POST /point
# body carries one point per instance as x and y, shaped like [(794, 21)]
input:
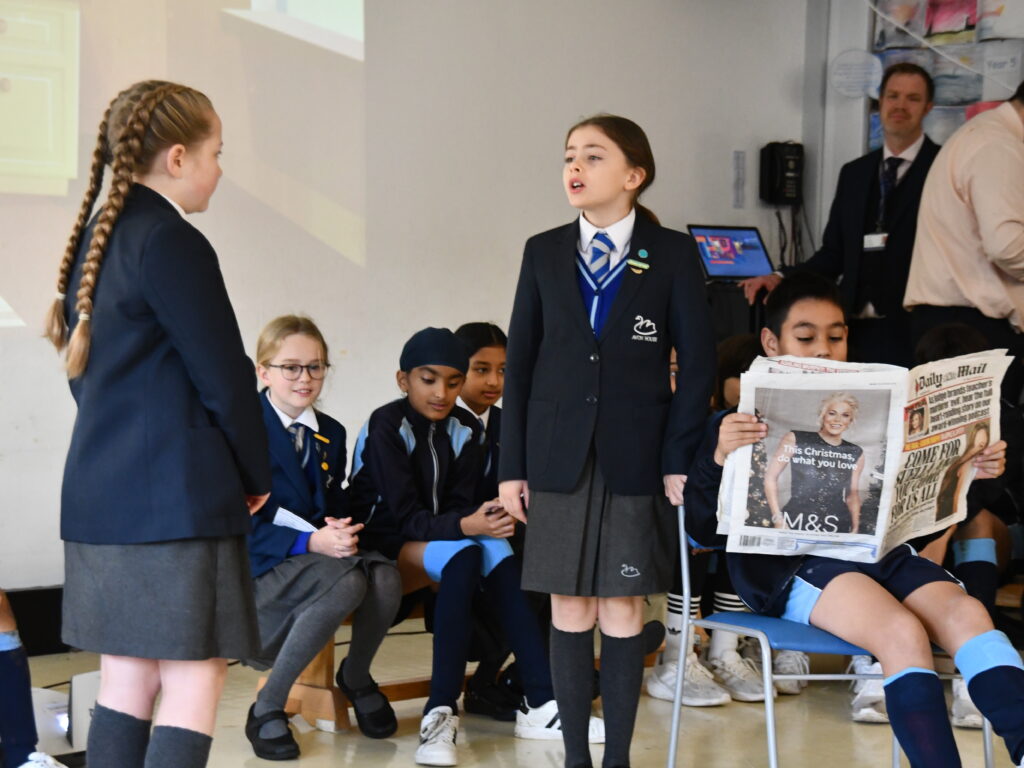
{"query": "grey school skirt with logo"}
[(184, 600), (593, 543), (291, 586)]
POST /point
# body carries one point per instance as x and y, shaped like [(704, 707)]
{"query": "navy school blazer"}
[(168, 439), (566, 389), (269, 544), (490, 443)]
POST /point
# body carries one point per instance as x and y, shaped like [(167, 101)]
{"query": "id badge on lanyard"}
[(875, 241)]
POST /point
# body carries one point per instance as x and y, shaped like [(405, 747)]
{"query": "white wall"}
[(445, 145)]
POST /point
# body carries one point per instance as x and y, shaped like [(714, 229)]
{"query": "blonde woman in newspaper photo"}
[(822, 498), (956, 476)]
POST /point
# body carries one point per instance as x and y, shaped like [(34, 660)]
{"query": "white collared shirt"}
[(484, 417), (178, 208), (969, 246), (307, 418), (908, 156), (621, 233)]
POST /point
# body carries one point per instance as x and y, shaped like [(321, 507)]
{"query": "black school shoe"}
[(491, 700), (378, 724), (277, 748)]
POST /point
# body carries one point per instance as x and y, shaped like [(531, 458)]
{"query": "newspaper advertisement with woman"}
[(858, 458)]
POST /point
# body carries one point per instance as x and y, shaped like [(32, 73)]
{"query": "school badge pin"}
[(639, 267)]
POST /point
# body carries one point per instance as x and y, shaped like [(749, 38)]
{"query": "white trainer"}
[(439, 729), (739, 677), (544, 722), (791, 663), (699, 686), (750, 648), (41, 760), (965, 714), (868, 703)]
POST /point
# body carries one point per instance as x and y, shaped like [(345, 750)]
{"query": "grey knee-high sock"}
[(172, 747), (116, 739), (622, 672), (371, 621), (311, 630), (572, 673)]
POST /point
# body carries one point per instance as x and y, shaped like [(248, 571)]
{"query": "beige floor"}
[(814, 730)]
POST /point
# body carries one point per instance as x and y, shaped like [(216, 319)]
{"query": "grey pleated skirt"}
[(593, 543), (185, 600), (287, 589)]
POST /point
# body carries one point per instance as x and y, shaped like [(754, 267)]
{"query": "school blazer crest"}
[(567, 389)]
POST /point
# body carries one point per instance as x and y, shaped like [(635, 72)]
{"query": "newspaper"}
[(859, 458)]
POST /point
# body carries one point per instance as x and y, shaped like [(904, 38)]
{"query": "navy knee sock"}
[(17, 721), (460, 579), (995, 679), (622, 673), (572, 671), (974, 564), (522, 631), (917, 712), (116, 739), (999, 694)]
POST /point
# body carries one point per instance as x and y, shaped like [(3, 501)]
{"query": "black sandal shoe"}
[(277, 748), (378, 724)]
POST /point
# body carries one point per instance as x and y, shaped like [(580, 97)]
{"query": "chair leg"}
[(677, 701), (769, 700), (896, 752), (986, 735)]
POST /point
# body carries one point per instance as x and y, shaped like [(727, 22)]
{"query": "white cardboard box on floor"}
[(84, 689)]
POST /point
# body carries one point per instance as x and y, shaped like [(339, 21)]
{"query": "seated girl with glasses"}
[(309, 572)]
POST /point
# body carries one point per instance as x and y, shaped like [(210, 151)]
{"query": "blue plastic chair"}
[(773, 634)]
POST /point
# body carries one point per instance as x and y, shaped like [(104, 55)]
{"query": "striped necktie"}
[(601, 248), (298, 432)]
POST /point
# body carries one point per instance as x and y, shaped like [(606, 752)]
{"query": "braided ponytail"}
[(56, 323), (137, 125)]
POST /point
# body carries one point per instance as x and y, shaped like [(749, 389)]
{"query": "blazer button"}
[(594, 357), (591, 399)]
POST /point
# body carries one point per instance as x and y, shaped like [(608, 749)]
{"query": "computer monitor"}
[(731, 253)]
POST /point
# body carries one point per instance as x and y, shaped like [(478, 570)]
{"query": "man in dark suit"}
[(869, 237)]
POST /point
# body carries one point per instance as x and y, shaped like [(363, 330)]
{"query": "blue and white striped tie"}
[(601, 248)]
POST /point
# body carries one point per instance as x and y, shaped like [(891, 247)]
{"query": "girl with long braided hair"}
[(168, 456)]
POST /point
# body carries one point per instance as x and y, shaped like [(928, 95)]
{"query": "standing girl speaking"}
[(593, 438), (168, 455)]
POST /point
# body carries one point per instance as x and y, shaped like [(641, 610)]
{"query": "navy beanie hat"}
[(434, 346)]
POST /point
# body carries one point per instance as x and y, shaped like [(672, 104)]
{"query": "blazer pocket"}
[(215, 482), (647, 430), (540, 431)]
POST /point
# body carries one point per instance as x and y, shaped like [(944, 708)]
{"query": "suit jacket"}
[(168, 439), (567, 389), (842, 247), (269, 544)]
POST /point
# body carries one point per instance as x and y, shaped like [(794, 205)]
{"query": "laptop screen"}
[(731, 253)]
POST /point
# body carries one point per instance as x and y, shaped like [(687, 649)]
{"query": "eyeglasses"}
[(292, 371)]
